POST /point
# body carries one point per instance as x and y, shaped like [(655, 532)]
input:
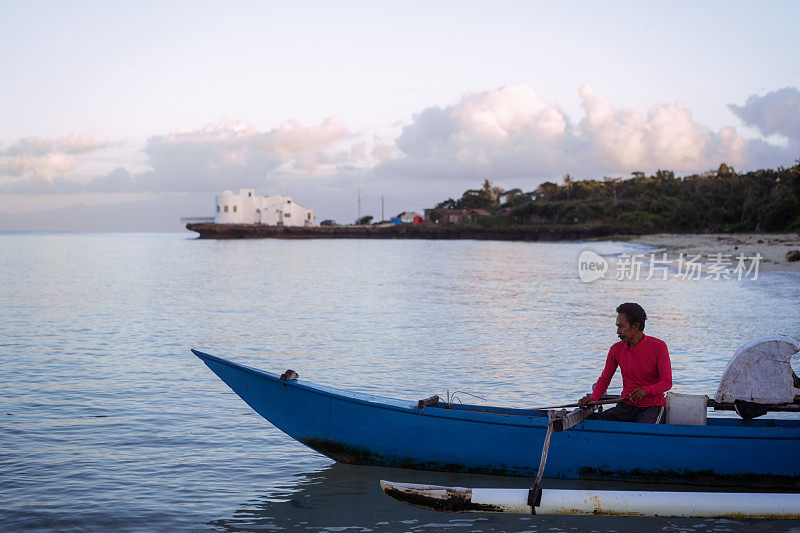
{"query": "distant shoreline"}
[(409, 231), (772, 247)]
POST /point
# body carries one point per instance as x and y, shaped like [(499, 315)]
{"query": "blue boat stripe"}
[(783, 430)]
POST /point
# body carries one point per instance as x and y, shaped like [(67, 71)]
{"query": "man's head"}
[(630, 321)]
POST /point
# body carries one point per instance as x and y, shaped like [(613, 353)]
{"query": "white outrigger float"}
[(597, 502), (758, 379)]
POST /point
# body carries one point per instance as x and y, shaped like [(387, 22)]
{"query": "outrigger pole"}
[(710, 403)]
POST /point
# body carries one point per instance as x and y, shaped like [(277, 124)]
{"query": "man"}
[(646, 371)]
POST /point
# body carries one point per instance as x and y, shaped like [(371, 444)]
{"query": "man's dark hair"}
[(634, 313)]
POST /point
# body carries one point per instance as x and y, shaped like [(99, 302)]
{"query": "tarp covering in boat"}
[(761, 372)]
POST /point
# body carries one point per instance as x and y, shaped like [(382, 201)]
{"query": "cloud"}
[(43, 159), (622, 140), (384, 152), (292, 138), (510, 135), (775, 113), (75, 143), (236, 152), (37, 167), (215, 156)]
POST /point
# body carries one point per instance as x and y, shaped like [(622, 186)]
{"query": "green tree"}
[(721, 200), (724, 170)]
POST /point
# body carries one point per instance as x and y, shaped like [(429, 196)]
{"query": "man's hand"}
[(636, 394), (583, 401)]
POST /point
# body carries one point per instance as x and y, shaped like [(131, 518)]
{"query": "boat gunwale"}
[(514, 416)]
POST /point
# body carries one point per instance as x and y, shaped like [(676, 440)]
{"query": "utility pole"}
[(359, 206), (382, 217)]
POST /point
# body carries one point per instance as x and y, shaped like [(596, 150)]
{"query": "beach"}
[(772, 247)]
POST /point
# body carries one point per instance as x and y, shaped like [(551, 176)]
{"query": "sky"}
[(126, 116)]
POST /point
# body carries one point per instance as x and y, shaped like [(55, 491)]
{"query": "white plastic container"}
[(686, 409)]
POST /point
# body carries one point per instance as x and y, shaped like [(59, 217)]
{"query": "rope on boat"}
[(452, 397)]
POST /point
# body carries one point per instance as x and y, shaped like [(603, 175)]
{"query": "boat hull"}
[(361, 429)]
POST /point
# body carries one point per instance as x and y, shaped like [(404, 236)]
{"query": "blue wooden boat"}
[(364, 429)]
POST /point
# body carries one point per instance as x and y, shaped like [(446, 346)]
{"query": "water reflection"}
[(347, 497), (102, 324)]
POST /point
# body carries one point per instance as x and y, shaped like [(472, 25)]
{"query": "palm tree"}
[(511, 195), (613, 183), (568, 181)]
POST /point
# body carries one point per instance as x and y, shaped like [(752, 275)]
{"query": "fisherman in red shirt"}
[(646, 371)]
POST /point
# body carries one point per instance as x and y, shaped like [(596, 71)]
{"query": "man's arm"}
[(601, 386), (664, 382)]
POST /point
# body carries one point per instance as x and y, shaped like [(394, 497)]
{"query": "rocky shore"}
[(407, 231)]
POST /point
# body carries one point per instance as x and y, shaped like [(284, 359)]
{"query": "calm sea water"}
[(108, 422)]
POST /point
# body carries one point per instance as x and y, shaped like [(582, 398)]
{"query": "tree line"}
[(718, 201)]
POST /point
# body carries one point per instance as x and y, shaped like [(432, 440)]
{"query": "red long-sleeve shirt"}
[(645, 365)]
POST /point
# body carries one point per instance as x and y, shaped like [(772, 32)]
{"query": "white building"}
[(407, 217), (250, 208)]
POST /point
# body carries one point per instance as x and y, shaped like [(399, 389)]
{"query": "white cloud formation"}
[(75, 143), (41, 159), (618, 135), (496, 117), (292, 138), (229, 153), (37, 167), (623, 140), (234, 151), (510, 135), (509, 132)]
